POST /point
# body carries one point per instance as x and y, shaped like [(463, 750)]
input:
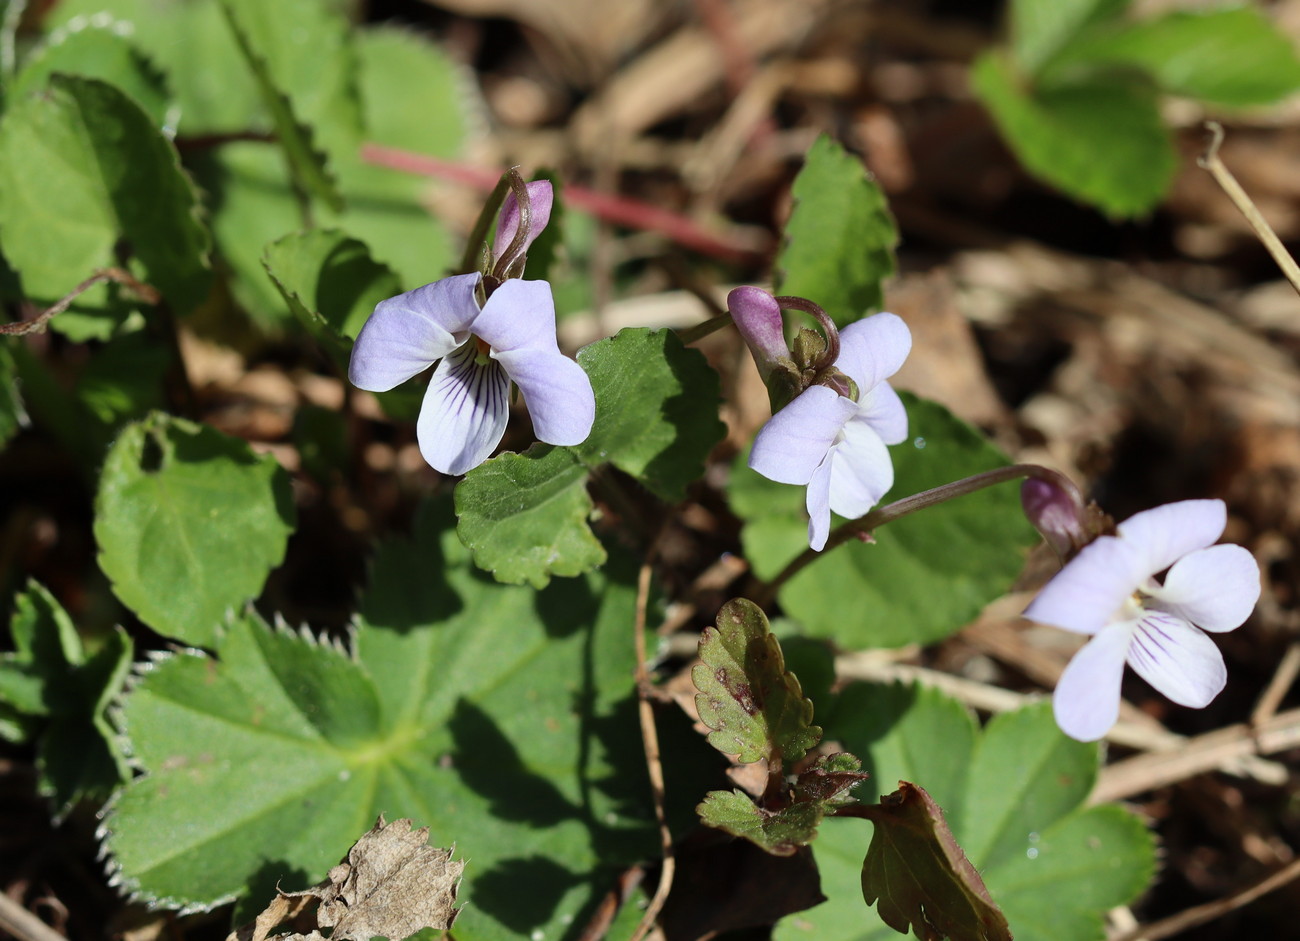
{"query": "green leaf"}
[(124, 379), (1040, 27), (918, 877), (839, 241), (1099, 140), (656, 409), (12, 413), (525, 516), (499, 716), (754, 706), (973, 546), (54, 675), (82, 168), (1232, 57), (99, 50), (189, 523), (1099, 857), (331, 283), (307, 163), (779, 832)]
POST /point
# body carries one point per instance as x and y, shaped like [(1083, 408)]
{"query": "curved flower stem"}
[(689, 335), (864, 525), (478, 235), (831, 332)]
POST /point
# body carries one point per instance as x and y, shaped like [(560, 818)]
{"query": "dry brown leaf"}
[(391, 885)]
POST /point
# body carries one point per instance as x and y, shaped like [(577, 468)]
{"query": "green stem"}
[(698, 332), (864, 525)]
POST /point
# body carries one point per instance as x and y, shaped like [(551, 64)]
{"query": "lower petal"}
[(1086, 702), (817, 500), (557, 391), (1177, 659), (464, 412), (861, 470)]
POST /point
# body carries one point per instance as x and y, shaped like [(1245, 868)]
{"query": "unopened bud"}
[(1058, 514)]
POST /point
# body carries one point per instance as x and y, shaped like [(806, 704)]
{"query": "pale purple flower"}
[(482, 349), (1109, 591), (834, 444)]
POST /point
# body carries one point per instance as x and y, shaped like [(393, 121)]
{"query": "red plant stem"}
[(609, 207)]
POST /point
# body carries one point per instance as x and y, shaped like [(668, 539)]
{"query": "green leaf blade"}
[(189, 523), (780, 832), (525, 516), (839, 241)]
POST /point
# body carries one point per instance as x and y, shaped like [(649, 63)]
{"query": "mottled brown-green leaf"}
[(779, 832), (754, 706), (919, 876)]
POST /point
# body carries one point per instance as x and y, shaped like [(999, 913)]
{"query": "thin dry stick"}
[(1175, 924), (22, 924), (38, 323), (650, 737), (1278, 686), (1210, 161)]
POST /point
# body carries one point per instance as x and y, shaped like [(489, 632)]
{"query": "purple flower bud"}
[(540, 198), (1057, 514), (758, 318)]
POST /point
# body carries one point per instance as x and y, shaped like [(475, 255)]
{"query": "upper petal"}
[(464, 412), (406, 333), (883, 410), (1177, 659), (520, 315), (557, 391), (1090, 590), (873, 349), (795, 440), (1086, 701), (757, 316), (540, 199), (861, 470), (1167, 533), (817, 499), (1214, 588)]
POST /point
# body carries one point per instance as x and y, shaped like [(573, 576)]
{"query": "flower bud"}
[(758, 318), (540, 198), (1057, 514)]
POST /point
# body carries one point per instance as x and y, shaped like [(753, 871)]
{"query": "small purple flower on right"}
[(1109, 592)]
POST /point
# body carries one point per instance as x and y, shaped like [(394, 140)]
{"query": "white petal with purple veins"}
[(464, 412), (1177, 659), (407, 333), (795, 440), (1091, 588), (1086, 702), (1214, 588)]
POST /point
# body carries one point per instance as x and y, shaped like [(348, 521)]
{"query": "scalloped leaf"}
[(754, 706), (974, 546), (840, 238), (499, 716), (189, 523), (525, 516), (1053, 865), (656, 409)]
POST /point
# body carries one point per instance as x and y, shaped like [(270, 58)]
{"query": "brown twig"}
[(650, 738), (1190, 918), (1283, 677), (1210, 161), (38, 323), (22, 924), (608, 207)]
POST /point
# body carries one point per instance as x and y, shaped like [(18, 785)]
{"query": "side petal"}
[(1214, 588), (520, 315), (406, 333), (873, 349), (540, 199), (757, 316), (1167, 533), (1177, 659), (1093, 587), (795, 440), (861, 470), (1086, 701), (464, 412), (557, 391), (883, 410), (817, 499)]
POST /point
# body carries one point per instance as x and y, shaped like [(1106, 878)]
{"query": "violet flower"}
[(483, 346), (1109, 591), (832, 436)]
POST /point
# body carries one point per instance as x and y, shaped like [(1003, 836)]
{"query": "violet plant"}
[(488, 681)]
